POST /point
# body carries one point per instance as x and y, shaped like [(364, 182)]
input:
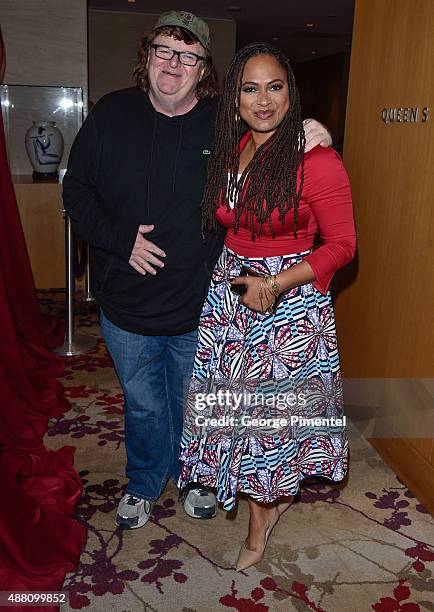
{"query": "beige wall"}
[(46, 42), (113, 40)]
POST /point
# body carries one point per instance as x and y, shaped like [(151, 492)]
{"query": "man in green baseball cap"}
[(138, 168), (187, 21)]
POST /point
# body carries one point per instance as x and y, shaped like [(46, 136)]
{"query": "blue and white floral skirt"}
[(289, 360)]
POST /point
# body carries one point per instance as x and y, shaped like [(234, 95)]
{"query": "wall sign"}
[(405, 114)]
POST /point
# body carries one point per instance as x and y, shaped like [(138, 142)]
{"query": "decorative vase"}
[(44, 146)]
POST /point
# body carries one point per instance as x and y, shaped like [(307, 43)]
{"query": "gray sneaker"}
[(133, 512), (200, 502)]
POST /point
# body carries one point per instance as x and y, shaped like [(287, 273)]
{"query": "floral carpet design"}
[(367, 545)]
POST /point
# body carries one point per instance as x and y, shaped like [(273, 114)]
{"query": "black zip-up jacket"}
[(131, 165)]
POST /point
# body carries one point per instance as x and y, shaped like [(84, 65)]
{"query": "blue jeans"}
[(154, 372)]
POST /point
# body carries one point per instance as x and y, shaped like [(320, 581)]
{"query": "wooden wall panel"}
[(40, 207), (410, 466), (385, 317), (385, 304)]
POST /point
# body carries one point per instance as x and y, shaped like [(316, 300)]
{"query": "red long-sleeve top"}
[(325, 206)]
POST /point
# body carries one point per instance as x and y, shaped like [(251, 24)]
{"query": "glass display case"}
[(24, 106)]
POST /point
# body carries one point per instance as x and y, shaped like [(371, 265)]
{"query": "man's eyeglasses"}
[(185, 57)]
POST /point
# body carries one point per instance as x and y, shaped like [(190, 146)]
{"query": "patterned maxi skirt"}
[(288, 363)]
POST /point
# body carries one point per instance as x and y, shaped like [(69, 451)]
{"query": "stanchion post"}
[(75, 343), (87, 294)]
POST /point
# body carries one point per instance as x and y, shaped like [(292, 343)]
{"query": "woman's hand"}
[(258, 296)]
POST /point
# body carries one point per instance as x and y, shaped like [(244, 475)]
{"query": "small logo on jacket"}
[(206, 152)]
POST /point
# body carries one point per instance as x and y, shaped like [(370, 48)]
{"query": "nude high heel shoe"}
[(247, 557)]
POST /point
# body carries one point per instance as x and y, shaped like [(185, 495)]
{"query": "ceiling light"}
[(275, 38), (309, 25), (314, 52), (233, 7)]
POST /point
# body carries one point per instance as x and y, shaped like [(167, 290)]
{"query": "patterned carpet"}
[(368, 545)]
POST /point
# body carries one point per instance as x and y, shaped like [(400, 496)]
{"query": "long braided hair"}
[(269, 181)]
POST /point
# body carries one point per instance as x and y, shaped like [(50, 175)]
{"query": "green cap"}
[(189, 22)]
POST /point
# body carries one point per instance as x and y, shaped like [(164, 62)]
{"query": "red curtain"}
[(39, 539)]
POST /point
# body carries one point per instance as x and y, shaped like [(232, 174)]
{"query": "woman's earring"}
[(237, 115)]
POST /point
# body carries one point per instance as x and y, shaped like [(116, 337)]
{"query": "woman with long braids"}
[(267, 328)]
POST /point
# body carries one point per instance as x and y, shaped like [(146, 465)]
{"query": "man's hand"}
[(144, 251), (316, 134)]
